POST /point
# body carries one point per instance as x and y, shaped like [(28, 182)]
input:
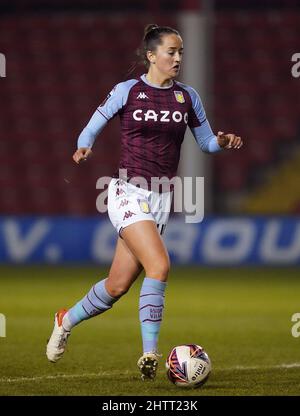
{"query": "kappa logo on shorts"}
[(120, 182), (123, 203), (128, 214), (144, 206), (120, 192)]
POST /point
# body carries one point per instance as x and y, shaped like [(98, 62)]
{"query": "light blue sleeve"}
[(205, 138), (88, 135), (199, 124), (112, 104)]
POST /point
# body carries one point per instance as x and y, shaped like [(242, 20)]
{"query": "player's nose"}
[(177, 57)]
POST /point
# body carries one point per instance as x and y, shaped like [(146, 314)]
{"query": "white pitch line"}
[(47, 377), (240, 367), (108, 373)]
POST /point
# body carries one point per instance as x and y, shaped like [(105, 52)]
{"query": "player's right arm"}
[(88, 136), (112, 104)]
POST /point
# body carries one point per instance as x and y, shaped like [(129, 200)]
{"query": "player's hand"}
[(82, 154), (229, 141)]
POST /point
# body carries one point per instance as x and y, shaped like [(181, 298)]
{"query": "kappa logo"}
[(123, 203), (120, 192), (128, 214), (120, 182), (142, 96)]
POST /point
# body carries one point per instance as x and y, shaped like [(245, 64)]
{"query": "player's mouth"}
[(176, 67)]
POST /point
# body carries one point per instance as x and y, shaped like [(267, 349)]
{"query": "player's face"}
[(168, 56)]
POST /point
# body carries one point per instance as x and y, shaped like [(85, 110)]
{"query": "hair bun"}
[(149, 28)]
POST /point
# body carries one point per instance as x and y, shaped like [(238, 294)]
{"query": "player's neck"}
[(158, 80)]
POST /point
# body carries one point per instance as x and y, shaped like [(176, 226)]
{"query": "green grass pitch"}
[(241, 316)]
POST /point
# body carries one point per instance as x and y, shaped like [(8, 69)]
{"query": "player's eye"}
[(173, 52)]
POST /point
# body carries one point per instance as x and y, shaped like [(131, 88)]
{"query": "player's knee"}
[(118, 290), (159, 269)]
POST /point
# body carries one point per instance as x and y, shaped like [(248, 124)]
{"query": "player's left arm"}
[(200, 127)]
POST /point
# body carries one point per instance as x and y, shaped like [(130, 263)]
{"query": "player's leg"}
[(124, 270), (145, 243), (147, 246)]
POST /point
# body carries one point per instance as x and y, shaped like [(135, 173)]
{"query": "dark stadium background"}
[(62, 59)]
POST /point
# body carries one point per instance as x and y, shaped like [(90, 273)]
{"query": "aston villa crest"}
[(144, 206), (179, 97)]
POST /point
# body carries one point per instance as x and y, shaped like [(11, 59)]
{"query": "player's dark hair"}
[(153, 35)]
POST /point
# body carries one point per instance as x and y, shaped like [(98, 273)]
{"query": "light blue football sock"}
[(150, 310), (95, 302)]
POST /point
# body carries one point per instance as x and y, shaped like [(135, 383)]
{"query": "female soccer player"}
[(154, 111)]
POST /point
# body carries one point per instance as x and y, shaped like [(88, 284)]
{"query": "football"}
[(188, 366)]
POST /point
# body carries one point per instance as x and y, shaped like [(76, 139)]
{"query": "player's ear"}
[(151, 57)]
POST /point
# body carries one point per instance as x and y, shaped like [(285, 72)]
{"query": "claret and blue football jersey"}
[(153, 123)]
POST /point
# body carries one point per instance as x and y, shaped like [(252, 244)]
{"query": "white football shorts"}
[(128, 204)]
